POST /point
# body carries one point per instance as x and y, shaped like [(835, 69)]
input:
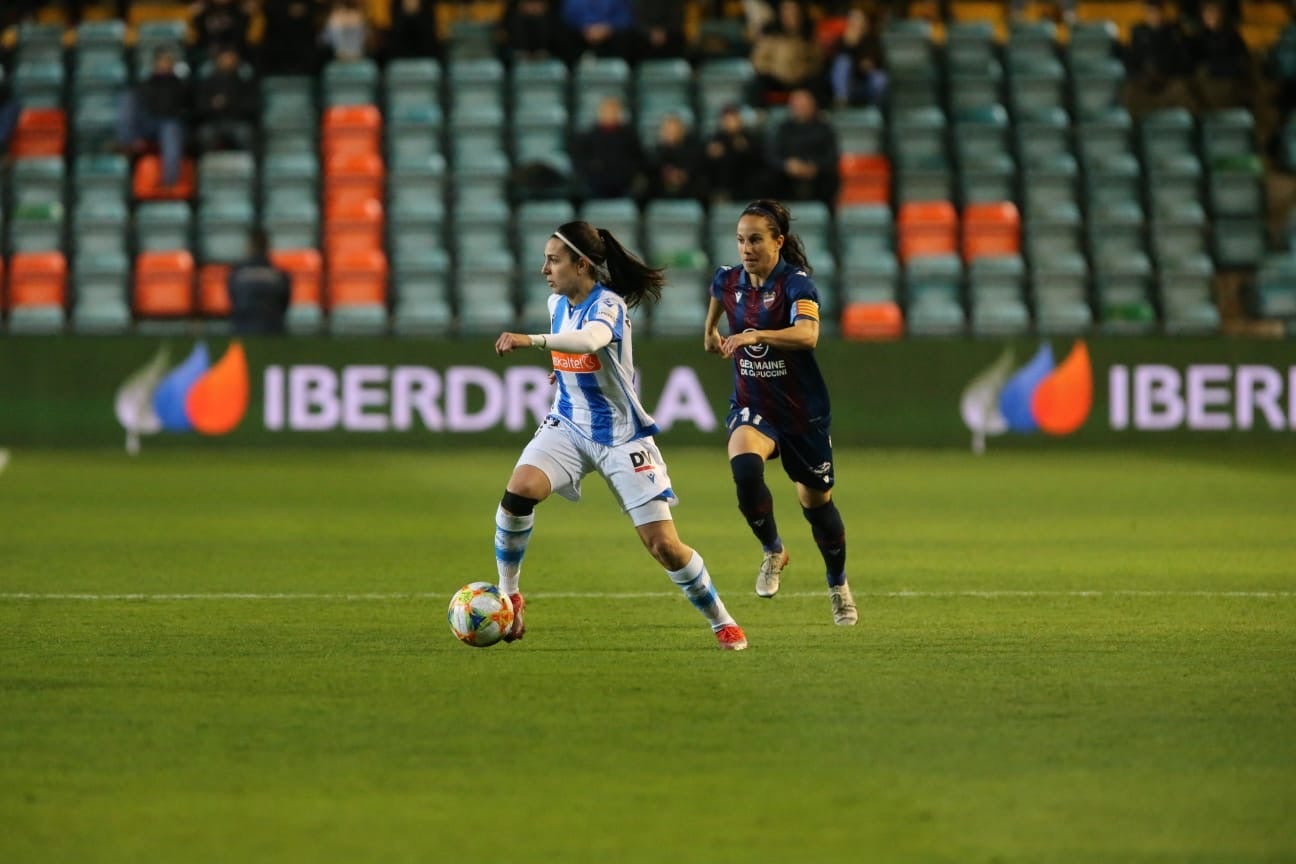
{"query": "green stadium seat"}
[(481, 176), (1235, 188), (871, 278), (977, 86), (412, 81), (538, 130), (292, 221), (39, 42), (1030, 43), (162, 226), (421, 285), (101, 289), (939, 276), (99, 78), (969, 45), (36, 227), (996, 294), (99, 227), (1106, 135), (100, 175), (1113, 180), (37, 180), (223, 225), (860, 130), (1179, 231), (484, 291), (541, 81), (1238, 243), (475, 81), (476, 129), (1056, 229), (1039, 86), (39, 83), (1046, 183), (1167, 132), (1042, 136), (228, 174), (1275, 286), (1187, 296), (985, 178), (663, 84), (349, 82), (480, 227), (1227, 133), (672, 230), (1096, 89), (595, 79), (721, 81), (621, 217), (100, 40), (1091, 43)]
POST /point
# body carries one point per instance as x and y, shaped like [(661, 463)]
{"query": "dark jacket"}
[(609, 160), (259, 295), (1156, 53), (164, 96), (226, 96)]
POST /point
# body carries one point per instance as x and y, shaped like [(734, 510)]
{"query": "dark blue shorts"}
[(807, 456)]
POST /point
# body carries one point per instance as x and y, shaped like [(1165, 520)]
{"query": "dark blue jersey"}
[(784, 387)]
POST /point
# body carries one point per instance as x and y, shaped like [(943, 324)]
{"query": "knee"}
[(748, 470), (669, 552)]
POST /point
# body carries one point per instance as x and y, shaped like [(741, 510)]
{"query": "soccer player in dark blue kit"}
[(780, 406)]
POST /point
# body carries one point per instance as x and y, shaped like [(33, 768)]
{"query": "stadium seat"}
[(621, 217), (40, 132), (354, 225), (101, 293), (1048, 183), (926, 228), (349, 82), (1275, 286), (985, 178), (412, 81), (99, 227), (721, 81), (663, 84), (39, 83), (996, 293), (1167, 131), (147, 182), (863, 230), (163, 226), (1036, 86), (354, 177), (1228, 133), (538, 82), (991, 229), (595, 79), (39, 41), (213, 290), (882, 321), (349, 130), (36, 227), (38, 180), (106, 175), (484, 292), (164, 284), (306, 270), (222, 229), (475, 81), (37, 291), (421, 293), (1042, 136), (860, 131), (357, 281), (103, 39), (865, 179), (1096, 87), (874, 278), (1235, 187), (1187, 297)]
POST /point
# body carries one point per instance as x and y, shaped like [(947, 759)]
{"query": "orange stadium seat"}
[(213, 291), (147, 184), (872, 321), (353, 225), (865, 179), (40, 132), (926, 228), (354, 176), (306, 270), (357, 278), (992, 228), (164, 283), (351, 129), (37, 279)]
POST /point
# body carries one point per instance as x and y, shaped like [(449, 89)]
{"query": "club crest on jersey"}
[(755, 351), (768, 298)]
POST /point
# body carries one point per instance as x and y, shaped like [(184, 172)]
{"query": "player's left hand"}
[(731, 344)]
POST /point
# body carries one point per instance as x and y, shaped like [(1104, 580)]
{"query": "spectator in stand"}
[(856, 72), (757, 16), (533, 30), (346, 31), (219, 24), (10, 109), (1221, 62), (227, 105), (155, 112), (676, 166), (661, 28), (604, 28), (1156, 63), (733, 158), (607, 158), (803, 152), (786, 57), (259, 292), (413, 31), (290, 42)]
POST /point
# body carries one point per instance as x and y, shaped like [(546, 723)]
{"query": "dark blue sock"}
[(830, 536), (754, 499)]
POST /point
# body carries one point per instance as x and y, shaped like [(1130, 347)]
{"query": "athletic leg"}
[(749, 448)]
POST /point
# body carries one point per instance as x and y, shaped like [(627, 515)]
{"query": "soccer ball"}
[(480, 614)]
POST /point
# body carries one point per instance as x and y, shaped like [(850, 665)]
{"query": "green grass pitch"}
[(230, 656)]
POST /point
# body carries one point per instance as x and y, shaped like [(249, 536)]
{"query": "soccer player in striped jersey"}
[(780, 406), (596, 423)]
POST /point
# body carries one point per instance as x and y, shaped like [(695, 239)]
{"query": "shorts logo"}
[(1040, 396), (643, 462), (755, 351), (194, 396), (576, 362)]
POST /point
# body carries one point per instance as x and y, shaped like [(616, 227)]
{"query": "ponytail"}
[(621, 270)]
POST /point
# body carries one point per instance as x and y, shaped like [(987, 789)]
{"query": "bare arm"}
[(801, 336), (711, 337)]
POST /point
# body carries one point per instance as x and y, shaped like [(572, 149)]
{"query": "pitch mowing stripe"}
[(641, 595)]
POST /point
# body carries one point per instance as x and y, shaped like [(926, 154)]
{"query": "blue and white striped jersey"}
[(596, 391)]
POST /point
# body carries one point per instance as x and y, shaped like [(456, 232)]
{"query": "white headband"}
[(600, 270)]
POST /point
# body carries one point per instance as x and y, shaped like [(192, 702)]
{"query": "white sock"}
[(694, 580), (512, 533)]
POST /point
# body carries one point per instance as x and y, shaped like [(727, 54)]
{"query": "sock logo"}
[(1040, 396), (195, 396)]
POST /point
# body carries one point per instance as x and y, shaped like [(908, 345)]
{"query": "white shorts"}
[(634, 471)]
